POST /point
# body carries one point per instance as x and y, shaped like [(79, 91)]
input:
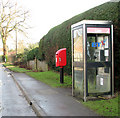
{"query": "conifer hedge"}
[(60, 36)]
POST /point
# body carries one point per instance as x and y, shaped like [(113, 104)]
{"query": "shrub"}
[(33, 53)]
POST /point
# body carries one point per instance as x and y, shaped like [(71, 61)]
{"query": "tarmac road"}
[(12, 101)]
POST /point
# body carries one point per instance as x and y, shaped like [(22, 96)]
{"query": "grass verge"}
[(8, 65), (19, 70), (51, 78), (104, 107), (15, 68)]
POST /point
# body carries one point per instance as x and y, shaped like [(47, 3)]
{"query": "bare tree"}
[(12, 17)]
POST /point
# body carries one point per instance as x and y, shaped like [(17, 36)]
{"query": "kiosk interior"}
[(92, 58)]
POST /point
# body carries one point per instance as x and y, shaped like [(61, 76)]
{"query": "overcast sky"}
[(45, 14)]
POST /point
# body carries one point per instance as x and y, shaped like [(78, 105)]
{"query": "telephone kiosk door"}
[(98, 62)]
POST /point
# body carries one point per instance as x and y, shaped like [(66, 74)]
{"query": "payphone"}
[(92, 58)]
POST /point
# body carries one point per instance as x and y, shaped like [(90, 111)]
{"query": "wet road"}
[(12, 102)]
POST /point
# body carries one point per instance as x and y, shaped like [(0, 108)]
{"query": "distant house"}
[(1, 51), (11, 53), (11, 56)]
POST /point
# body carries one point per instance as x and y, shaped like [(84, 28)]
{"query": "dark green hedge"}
[(60, 36), (32, 54)]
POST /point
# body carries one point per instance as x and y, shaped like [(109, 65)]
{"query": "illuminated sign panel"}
[(98, 30)]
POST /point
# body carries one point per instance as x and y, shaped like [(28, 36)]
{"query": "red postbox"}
[(61, 62), (61, 58)]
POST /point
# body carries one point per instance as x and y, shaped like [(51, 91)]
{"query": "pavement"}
[(12, 101), (48, 101)]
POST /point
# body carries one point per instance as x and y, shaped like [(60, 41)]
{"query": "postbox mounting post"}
[(61, 75)]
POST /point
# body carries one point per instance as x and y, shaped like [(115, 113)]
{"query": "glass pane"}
[(78, 77), (78, 57), (98, 79), (90, 49), (98, 48), (78, 45)]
